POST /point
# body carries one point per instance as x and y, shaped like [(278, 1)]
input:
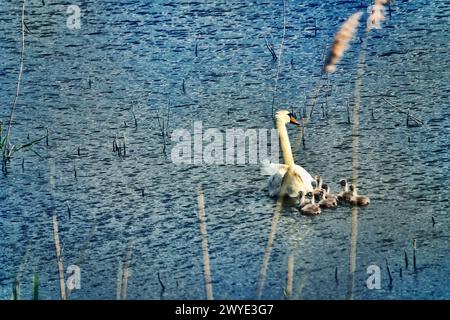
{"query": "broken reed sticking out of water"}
[(120, 148), (5, 144), (164, 127)]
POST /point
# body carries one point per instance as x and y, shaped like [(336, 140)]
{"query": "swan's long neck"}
[(285, 144)]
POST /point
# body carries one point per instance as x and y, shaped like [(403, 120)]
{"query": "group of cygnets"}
[(312, 203)]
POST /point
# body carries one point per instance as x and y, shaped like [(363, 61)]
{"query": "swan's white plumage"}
[(277, 172), (286, 179)]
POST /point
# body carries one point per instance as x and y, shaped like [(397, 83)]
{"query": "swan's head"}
[(286, 117), (326, 187), (343, 183)]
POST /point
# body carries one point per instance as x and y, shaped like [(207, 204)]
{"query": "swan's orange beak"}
[(293, 120)]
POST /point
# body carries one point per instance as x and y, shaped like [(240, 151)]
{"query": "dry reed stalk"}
[(204, 237), (337, 50), (341, 42), (290, 277), (62, 283), (277, 75), (355, 163), (352, 262), (125, 274), (83, 249), (6, 149), (356, 110), (268, 250)]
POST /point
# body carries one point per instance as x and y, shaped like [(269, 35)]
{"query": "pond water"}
[(208, 61)]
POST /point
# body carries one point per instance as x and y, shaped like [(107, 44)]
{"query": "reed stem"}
[(290, 277), (280, 52), (6, 144), (204, 237), (62, 283)]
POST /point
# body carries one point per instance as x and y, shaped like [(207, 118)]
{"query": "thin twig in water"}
[(163, 288), (272, 51), (68, 211), (406, 259), (336, 275), (389, 273), (134, 117), (348, 113), (167, 121), (402, 111)]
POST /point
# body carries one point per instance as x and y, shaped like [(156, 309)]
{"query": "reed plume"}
[(377, 11), (341, 42)]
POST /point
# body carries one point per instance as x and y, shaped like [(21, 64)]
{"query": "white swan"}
[(286, 179)]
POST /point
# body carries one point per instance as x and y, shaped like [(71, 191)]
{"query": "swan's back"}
[(277, 178)]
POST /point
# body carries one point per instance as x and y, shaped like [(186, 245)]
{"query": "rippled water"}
[(82, 86)]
